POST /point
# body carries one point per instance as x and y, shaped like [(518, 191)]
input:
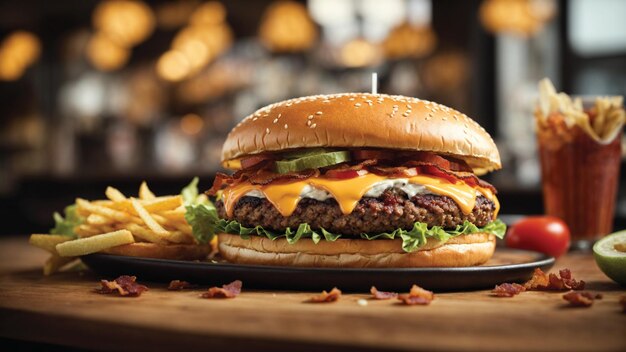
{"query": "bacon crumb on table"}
[(382, 295), (581, 298), (563, 282), (507, 290), (177, 285), (230, 290), (326, 297), (124, 285), (417, 296)]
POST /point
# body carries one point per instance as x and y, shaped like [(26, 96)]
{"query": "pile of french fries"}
[(116, 221), (609, 112)]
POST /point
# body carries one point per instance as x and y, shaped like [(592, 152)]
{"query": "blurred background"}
[(96, 93)]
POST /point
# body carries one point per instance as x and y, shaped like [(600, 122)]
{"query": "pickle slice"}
[(314, 161), (300, 153)]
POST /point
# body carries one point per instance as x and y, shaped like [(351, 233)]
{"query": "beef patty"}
[(392, 210)]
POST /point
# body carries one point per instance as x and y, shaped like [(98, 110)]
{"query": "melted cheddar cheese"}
[(285, 195)]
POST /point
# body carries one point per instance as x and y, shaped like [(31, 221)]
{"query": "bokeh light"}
[(173, 66), (106, 54), (191, 124), (18, 51), (287, 27), (126, 22)]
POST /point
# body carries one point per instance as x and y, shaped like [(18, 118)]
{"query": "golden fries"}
[(56, 262), (145, 192), (88, 245), (114, 194), (48, 242), (118, 220), (147, 218)]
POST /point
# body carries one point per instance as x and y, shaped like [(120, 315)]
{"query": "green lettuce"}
[(200, 213), (412, 239), (65, 225)]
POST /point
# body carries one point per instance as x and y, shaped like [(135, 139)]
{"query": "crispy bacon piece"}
[(124, 285), (264, 177), (622, 302), (507, 290), (417, 296), (230, 290), (221, 180), (177, 285), (542, 282), (326, 297), (581, 299), (382, 294)]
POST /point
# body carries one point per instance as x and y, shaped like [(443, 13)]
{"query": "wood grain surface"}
[(63, 309)]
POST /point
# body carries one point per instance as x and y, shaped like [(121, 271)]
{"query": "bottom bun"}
[(465, 250), (152, 250)]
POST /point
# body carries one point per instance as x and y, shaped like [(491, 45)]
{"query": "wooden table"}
[(63, 310)]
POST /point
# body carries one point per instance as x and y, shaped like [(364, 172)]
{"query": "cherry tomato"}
[(546, 234)]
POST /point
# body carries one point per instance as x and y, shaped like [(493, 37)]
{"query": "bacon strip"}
[(326, 297), (507, 290), (417, 296), (542, 282), (124, 285), (382, 295), (230, 290), (177, 285), (221, 180), (264, 177), (581, 299)]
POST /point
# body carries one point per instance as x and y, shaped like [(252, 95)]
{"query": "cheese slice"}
[(285, 195)]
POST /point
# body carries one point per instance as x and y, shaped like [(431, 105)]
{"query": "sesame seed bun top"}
[(357, 120)]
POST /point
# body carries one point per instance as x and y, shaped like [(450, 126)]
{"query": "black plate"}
[(506, 266)]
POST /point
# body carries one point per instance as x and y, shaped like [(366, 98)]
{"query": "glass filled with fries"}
[(579, 144)]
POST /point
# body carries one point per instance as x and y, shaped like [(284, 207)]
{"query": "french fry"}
[(174, 215), (145, 192), (86, 230), (108, 212), (147, 218), (146, 234), (114, 194), (95, 219), (48, 242), (179, 237), (163, 203), (84, 246), (56, 262)]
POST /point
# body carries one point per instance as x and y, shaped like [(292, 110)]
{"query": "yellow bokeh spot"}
[(106, 54), (287, 27), (191, 124), (18, 51), (173, 66), (359, 53), (126, 22)]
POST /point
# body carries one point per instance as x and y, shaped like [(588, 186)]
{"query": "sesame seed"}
[(318, 113), (351, 99), (310, 117), (255, 118), (279, 115), (408, 106), (406, 114), (289, 104), (267, 130), (308, 123), (357, 105), (314, 125), (275, 120), (286, 126), (444, 119), (395, 107)]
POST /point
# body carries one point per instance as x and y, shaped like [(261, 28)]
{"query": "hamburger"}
[(357, 180)]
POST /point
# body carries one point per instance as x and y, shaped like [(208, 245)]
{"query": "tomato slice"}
[(365, 154), (250, 161), (344, 174)]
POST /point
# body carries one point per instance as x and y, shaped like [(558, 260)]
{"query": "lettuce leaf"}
[(65, 225), (411, 239), (200, 212)]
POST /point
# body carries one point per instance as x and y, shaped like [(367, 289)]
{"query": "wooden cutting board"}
[(63, 309)]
